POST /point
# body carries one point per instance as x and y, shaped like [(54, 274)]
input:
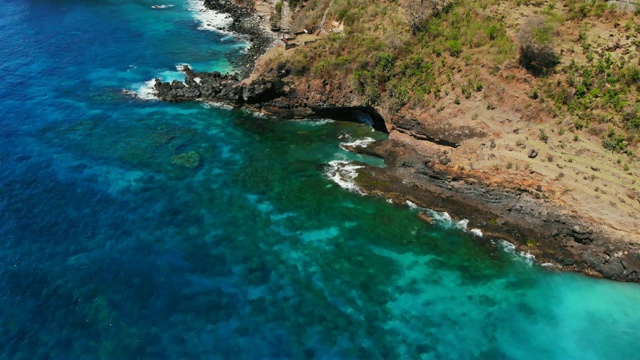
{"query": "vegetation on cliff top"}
[(397, 58)]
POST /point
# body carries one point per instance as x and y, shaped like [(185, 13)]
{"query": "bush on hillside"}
[(536, 46)]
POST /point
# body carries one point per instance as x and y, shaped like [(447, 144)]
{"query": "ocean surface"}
[(136, 229)]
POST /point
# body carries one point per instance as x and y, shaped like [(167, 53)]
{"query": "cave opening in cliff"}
[(362, 115)]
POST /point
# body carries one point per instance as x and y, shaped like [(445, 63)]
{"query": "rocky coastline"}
[(248, 24), (558, 240), (417, 159)]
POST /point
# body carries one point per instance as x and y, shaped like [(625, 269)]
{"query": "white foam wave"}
[(476, 232), (209, 19), (510, 248), (181, 67), (146, 91), (462, 224), (162, 6), (442, 217), (445, 220), (255, 113), (343, 173), (318, 122), (216, 105), (357, 143), (259, 115), (412, 205)]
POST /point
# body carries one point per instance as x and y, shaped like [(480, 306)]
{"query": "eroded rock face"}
[(270, 94), (440, 133)]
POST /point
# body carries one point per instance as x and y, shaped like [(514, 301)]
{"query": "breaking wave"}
[(343, 173)]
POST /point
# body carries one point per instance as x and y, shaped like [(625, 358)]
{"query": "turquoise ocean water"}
[(110, 248)]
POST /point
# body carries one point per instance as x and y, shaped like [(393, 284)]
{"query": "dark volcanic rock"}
[(261, 91), (205, 86), (536, 227)]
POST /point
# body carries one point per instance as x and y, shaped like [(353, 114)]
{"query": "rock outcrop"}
[(218, 88)]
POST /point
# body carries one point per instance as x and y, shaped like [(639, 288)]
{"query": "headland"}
[(540, 154)]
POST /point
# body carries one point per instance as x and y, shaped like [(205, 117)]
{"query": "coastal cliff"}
[(472, 130)]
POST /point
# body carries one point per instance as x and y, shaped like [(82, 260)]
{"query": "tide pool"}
[(135, 229)]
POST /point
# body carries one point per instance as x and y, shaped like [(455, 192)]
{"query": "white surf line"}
[(146, 91), (444, 219), (208, 19), (357, 143), (162, 6), (343, 173), (510, 248)]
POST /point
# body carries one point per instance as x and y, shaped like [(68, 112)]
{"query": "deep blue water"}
[(111, 248)]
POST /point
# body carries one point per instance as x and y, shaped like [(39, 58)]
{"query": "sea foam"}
[(162, 6), (146, 91), (209, 19), (445, 220), (510, 248), (216, 105), (343, 173), (357, 143)]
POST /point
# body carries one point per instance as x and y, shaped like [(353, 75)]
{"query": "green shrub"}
[(614, 142), (581, 91), (536, 51), (454, 47), (466, 91), (632, 119), (534, 94), (492, 32)]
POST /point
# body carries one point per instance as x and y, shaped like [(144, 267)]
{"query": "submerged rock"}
[(189, 160), (425, 217)]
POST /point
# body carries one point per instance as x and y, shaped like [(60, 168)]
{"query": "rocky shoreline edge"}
[(557, 238), (246, 23)]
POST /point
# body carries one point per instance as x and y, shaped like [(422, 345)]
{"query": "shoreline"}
[(246, 23), (420, 158), (561, 241)]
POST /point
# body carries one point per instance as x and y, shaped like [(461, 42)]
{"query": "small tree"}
[(536, 45), (417, 11)]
